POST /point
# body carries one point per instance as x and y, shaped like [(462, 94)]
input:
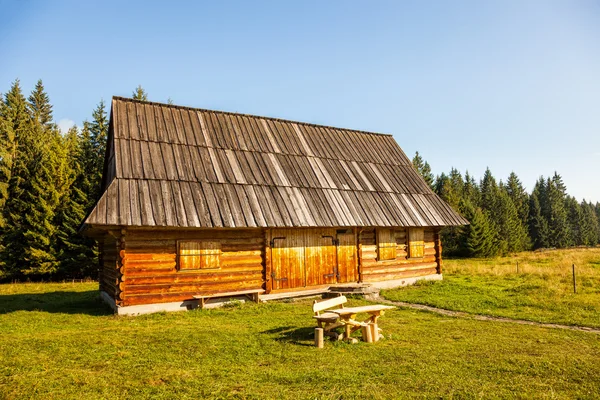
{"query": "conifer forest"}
[(50, 180)]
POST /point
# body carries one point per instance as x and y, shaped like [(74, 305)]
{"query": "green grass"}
[(57, 341), (542, 291)]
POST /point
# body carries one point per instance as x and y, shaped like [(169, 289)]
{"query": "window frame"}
[(218, 253)]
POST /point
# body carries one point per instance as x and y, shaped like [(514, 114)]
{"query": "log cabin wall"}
[(373, 270), (151, 273), (109, 275)]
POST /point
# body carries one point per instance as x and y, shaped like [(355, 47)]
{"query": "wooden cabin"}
[(206, 203)]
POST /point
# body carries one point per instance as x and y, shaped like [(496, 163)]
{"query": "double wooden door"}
[(312, 257)]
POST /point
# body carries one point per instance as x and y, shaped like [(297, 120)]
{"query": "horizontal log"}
[(207, 287), (399, 268), (399, 275), (141, 271), (366, 263), (196, 278), (148, 257), (173, 297)]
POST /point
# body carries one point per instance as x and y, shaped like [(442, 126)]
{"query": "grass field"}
[(57, 341), (541, 291)]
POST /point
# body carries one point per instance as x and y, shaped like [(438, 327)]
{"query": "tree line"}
[(504, 218), (49, 182)]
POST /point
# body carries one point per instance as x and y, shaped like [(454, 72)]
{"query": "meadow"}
[(58, 341), (541, 290)]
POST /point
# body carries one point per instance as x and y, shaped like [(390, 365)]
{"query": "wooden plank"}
[(245, 205), (238, 139), (147, 164), (158, 208), (150, 122), (200, 201), (112, 204), (132, 131), (259, 217), (168, 203), (193, 220), (234, 205), (188, 129), (204, 129), (235, 166), (172, 136), (212, 203), (145, 204), (178, 201), (134, 203), (124, 207), (141, 121), (169, 160), (223, 204)]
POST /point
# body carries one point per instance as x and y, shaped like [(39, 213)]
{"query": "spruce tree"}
[(423, 169), (556, 213), (98, 133), (519, 196), (39, 105), (139, 94), (77, 254), (16, 128), (477, 239), (538, 224), (34, 191)]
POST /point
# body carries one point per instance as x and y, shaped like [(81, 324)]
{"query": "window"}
[(416, 245), (386, 244), (194, 254)]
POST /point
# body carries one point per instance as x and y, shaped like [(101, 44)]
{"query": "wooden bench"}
[(253, 294), (329, 321)]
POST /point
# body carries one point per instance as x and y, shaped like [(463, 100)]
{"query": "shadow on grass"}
[(295, 335), (55, 302)]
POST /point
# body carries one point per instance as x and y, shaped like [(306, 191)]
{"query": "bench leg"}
[(319, 337), (367, 334)]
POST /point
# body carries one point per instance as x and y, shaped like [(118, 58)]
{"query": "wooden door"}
[(320, 256), (287, 259), (346, 256)]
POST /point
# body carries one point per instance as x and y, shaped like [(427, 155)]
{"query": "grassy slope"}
[(541, 291), (71, 347)]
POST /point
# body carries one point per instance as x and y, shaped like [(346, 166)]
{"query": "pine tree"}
[(34, 191), (16, 129), (519, 196), (139, 94), (538, 224), (39, 105), (423, 169), (589, 225), (98, 132), (556, 213), (511, 230), (471, 190), (478, 239), (77, 254)]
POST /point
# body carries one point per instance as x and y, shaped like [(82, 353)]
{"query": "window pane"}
[(386, 244), (199, 254), (416, 242)]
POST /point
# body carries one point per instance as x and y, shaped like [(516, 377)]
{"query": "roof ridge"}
[(128, 99)]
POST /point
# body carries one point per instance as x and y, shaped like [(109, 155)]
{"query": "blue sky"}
[(513, 85)]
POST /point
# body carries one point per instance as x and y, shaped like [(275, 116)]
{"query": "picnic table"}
[(372, 333)]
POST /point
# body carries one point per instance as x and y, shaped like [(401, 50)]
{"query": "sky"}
[(509, 85)]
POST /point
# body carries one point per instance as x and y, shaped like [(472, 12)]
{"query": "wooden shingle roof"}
[(175, 166)]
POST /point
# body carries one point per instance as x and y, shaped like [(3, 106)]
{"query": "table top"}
[(362, 309)]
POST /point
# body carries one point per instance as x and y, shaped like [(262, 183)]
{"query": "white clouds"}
[(65, 124)]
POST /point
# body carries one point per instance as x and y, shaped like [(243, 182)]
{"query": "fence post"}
[(574, 281), (517, 267)]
